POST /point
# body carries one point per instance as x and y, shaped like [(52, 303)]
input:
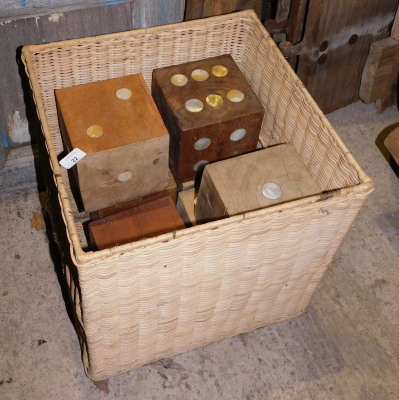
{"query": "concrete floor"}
[(346, 346)]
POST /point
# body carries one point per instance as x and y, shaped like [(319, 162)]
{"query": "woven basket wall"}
[(143, 301)]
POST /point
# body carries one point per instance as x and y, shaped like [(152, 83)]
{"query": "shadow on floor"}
[(381, 146)]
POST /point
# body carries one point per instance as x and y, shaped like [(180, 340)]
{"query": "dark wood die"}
[(210, 110)]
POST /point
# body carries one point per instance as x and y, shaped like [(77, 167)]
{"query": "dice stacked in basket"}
[(186, 155)]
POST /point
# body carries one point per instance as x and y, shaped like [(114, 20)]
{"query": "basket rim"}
[(80, 257), (249, 14)]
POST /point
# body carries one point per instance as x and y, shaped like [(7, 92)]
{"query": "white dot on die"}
[(194, 105), (179, 80), (199, 75), (236, 96), (124, 93), (271, 191), (238, 134), (125, 176), (202, 144)]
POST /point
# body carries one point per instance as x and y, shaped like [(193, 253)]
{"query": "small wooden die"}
[(210, 110), (253, 181), (118, 125), (169, 190), (144, 221)]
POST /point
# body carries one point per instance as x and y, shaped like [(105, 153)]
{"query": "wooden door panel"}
[(207, 8), (336, 42)]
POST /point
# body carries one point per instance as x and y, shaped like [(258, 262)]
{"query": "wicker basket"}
[(143, 301)]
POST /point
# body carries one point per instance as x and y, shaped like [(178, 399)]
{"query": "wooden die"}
[(210, 110), (252, 181), (118, 125)]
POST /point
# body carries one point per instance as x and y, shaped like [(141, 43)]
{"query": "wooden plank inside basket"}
[(147, 220), (185, 204)]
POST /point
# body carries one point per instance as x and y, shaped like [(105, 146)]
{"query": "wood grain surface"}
[(296, 20), (295, 26), (283, 10), (134, 142), (28, 8), (234, 186), (207, 8), (147, 220), (381, 71), (213, 123), (98, 173), (155, 12), (19, 119), (337, 41), (395, 26), (124, 122)]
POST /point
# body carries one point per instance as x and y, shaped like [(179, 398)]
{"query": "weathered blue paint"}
[(3, 139), (113, 2), (17, 182)]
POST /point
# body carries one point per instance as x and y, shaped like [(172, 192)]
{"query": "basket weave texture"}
[(143, 301)]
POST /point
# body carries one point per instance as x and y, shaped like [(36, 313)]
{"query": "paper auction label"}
[(72, 158)]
